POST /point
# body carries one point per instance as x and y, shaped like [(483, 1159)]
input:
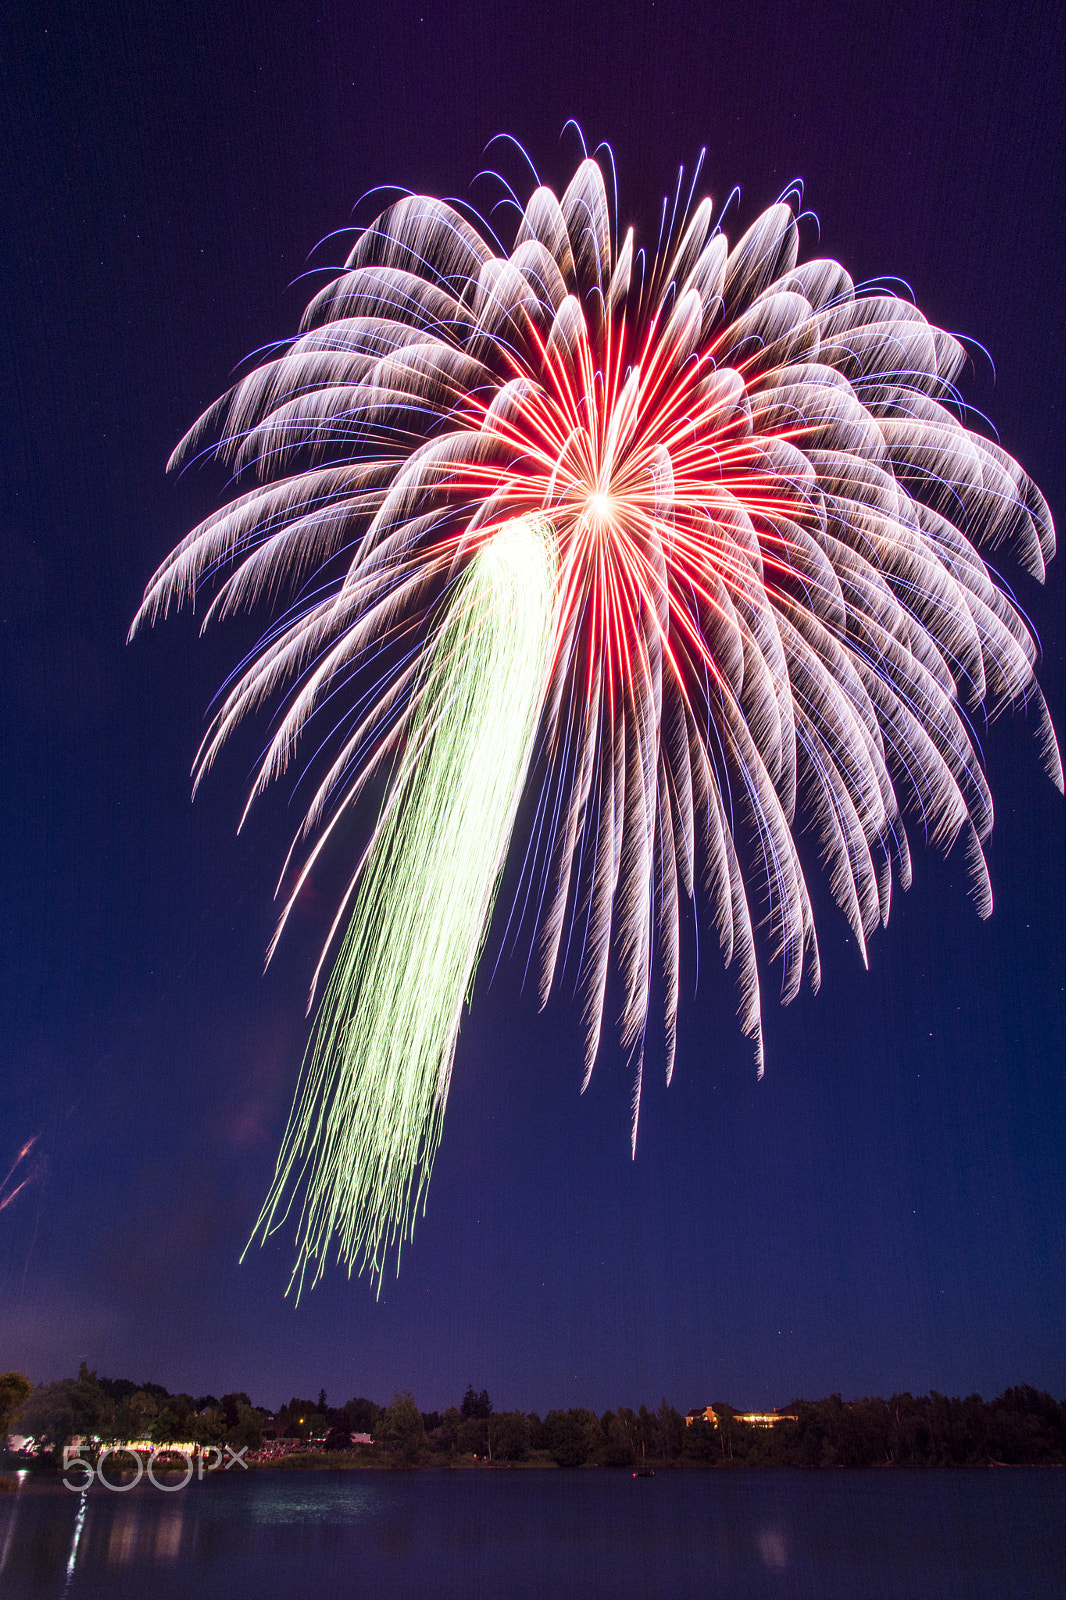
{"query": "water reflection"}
[(123, 1537), (79, 1525), (772, 1548), (317, 1497), (544, 1536), (9, 1536), (168, 1536)]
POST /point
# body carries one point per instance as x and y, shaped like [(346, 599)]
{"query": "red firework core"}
[(649, 473)]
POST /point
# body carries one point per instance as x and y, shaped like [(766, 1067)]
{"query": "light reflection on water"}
[(546, 1536), (79, 1528), (168, 1536), (123, 1538), (317, 1497), (772, 1547)]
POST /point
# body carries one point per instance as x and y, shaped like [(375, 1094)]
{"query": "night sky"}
[(885, 1210)]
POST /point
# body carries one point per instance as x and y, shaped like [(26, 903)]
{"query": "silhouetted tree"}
[(476, 1405), (362, 1415), (565, 1439), (472, 1438), (55, 1413), (701, 1442), (618, 1448), (401, 1427), (670, 1432), (448, 1434), (15, 1390), (509, 1436)]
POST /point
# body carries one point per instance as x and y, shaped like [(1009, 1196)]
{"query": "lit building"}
[(754, 1419)]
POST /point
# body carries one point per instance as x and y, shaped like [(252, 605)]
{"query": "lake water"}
[(538, 1535)]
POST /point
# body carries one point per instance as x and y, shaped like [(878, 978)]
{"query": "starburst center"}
[(600, 510)]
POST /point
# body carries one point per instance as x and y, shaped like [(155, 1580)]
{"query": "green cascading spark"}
[(367, 1118)]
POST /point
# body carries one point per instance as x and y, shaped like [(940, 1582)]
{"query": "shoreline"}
[(315, 1462)]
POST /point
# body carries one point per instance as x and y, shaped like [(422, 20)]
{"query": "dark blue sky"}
[(887, 1209)]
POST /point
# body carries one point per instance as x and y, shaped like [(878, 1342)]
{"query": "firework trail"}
[(369, 1113), (7, 1193), (684, 545)]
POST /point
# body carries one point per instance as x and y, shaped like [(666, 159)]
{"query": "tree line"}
[(1022, 1426), (117, 1409)]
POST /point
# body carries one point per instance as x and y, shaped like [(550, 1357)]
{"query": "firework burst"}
[(687, 544)]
